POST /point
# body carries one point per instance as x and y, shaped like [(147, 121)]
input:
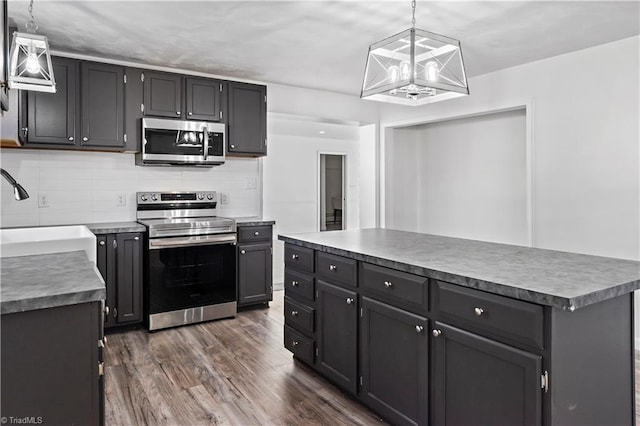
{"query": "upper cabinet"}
[(247, 121), (189, 98), (87, 110)]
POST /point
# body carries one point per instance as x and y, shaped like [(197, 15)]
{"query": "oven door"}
[(190, 272)]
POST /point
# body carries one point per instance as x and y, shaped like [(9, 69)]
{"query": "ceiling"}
[(320, 44)]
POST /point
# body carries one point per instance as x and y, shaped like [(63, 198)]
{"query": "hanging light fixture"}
[(30, 65), (414, 67)]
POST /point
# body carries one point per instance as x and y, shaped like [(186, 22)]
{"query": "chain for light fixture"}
[(31, 25), (413, 13)]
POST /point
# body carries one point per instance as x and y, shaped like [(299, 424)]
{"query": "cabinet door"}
[(247, 121), (129, 261), (51, 117), (480, 381), (106, 260), (337, 334), (163, 94), (394, 362), (204, 99), (254, 274), (102, 101)]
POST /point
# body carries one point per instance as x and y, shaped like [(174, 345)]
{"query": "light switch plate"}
[(43, 200)]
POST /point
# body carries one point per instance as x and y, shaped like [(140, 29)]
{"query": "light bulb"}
[(405, 70), (432, 71), (32, 64), (393, 73)]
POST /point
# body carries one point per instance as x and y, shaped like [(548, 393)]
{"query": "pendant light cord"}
[(31, 26), (413, 13)]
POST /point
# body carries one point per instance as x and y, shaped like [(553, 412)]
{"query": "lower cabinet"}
[(119, 259), (479, 381), (255, 265), (337, 334), (394, 362), (51, 366)]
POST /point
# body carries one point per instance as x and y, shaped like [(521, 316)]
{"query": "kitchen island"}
[(51, 356), (427, 329)]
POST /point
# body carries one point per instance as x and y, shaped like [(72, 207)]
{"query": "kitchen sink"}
[(47, 239)]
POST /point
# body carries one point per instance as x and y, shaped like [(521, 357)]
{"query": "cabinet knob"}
[(436, 333), (294, 283), (102, 243), (190, 113), (294, 256), (295, 343), (136, 238), (84, 139), (177, 112), (349, 300), (256, 233), (104, 340), (419, 328), (242, 252), (294, 313), (333, 267), (70, 138), (478, 311), (233, 146), (388, 284), (106, 311)]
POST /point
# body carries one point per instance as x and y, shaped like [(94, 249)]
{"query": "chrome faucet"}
[(18, 191)]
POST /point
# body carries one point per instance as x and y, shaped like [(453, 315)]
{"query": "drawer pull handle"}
[(419, 328), (294, 256), (388, 284), (256, 233), (333, 267), (136, 238), (102, 243), (242, 252), (295, 343), (294, 283), (349, 300), (478, 311), (436, 333), (294, 313)]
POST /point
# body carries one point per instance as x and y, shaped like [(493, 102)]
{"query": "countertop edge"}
[(52, 301)]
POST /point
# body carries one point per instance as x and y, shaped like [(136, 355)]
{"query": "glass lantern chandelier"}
[(414, 67), (30, 65)]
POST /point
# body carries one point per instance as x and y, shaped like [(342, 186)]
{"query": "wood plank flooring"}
[(228, 372)]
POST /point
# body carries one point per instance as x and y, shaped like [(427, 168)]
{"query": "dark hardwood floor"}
[(233, 372)]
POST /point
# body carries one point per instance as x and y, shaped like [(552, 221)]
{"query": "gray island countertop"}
[(553, 278), (47, 281)]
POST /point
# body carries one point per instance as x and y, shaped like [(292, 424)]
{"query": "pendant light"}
[(30, 65), (414, 67)]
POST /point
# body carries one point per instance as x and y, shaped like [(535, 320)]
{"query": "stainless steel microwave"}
[(186, 143)]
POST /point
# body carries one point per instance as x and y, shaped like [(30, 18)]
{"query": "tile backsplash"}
[(72, 187)]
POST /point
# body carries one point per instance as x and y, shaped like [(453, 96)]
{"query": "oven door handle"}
[(199, 240), (206, 142)]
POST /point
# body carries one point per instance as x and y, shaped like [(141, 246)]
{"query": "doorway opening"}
[(332, 192)]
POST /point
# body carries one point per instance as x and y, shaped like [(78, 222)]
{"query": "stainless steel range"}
[(190, 258)]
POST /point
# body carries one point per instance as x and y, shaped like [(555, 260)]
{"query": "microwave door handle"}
[(206, 142)]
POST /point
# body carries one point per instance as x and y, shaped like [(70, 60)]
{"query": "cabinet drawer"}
[(298, 315), (395, 286), (337, 269), (302, 347), (298, 257), (250, 234), (502, 316), (296, 283)]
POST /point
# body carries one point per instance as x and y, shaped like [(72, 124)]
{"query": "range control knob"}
[(143, 197), (200, 196), (154, 197), (209, 196)]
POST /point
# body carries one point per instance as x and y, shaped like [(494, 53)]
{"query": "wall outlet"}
[(43, 200), (224, 198), (121, 200), (252, 183)]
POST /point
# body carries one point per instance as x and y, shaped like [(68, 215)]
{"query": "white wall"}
[(462, 178), (368, 179), (83, 187)]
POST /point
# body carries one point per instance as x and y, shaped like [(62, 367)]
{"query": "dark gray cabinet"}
[(337, 335), (177, 96), (50, 362), (247, 121), (394, 362), (86, 112), (480, 381), (119, 259), (255, 265)]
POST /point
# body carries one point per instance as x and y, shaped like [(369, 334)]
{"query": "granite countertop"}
[(252, 221), (115, 227), (48, 280), (553, 278)]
